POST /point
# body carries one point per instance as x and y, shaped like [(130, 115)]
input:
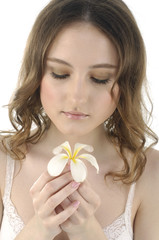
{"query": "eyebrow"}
[(101, 65)]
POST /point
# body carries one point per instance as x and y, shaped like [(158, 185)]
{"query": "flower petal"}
[(57, 150), (78, 170), (90, 158), (57, 164), (67, 148), (79, 146)]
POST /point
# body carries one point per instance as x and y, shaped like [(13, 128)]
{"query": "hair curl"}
[(126, 127)]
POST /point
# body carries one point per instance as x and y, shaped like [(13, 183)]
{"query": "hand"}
[(89, 202), (47, 193)]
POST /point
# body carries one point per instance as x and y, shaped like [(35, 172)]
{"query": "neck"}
[(92, 138), (103, 148), (97, 138)]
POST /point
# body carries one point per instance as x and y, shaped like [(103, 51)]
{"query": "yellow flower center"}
[(73, 159)]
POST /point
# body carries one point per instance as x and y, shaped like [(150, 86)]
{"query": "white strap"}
[(9, 176), (128, 208), (130, 197)]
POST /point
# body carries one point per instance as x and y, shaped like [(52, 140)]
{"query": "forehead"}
[(83, 41)]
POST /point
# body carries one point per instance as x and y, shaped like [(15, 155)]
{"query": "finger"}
[(89, 195), (58, 197), (67, 213), (50, 189), (40, 183), (42, 180), (54, 186), (89, 202), (84, 205), (84, 211), (66, 203), (76, 217), (55, 220)]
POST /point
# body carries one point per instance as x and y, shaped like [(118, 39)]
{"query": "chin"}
[(74, 132)]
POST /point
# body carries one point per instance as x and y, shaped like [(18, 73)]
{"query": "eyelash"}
[(98, 81), (56, 76)]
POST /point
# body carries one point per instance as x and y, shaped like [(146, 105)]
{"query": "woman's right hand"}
[(47, 194)]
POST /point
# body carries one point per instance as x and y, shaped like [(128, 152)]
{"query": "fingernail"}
[(75, 184), (76, 204)]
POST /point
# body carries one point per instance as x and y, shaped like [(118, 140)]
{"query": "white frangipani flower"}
[(78, 169)]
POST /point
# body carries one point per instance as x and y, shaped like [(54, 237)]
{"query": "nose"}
[(78, 91)]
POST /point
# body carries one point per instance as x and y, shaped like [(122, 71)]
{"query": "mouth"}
[(75, 115)]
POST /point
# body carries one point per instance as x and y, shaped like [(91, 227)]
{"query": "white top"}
[(12, 223)]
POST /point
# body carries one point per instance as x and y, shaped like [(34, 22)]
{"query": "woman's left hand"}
[(89, 203)]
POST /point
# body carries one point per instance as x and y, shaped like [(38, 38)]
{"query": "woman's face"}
[(79, 74)]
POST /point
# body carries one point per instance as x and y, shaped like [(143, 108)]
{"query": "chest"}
[(113, 196)]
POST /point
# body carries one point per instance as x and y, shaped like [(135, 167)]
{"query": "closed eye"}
[(64, 76), (99, 81), (59, 76)]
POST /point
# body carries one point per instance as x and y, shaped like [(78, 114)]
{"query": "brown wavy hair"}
[(127, 127)]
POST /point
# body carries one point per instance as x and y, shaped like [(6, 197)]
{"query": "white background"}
[(16, 20)]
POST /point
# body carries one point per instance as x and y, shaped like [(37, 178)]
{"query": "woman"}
[(80, 82)]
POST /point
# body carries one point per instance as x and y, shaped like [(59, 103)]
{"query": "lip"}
[(75, 115)]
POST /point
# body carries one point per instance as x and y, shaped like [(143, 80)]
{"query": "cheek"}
[(47, 93), (110, 101), (113, 96)]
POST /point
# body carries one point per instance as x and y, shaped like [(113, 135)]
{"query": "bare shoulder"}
[(152, 158), (149, 180), (151, 171), (146, 224)]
